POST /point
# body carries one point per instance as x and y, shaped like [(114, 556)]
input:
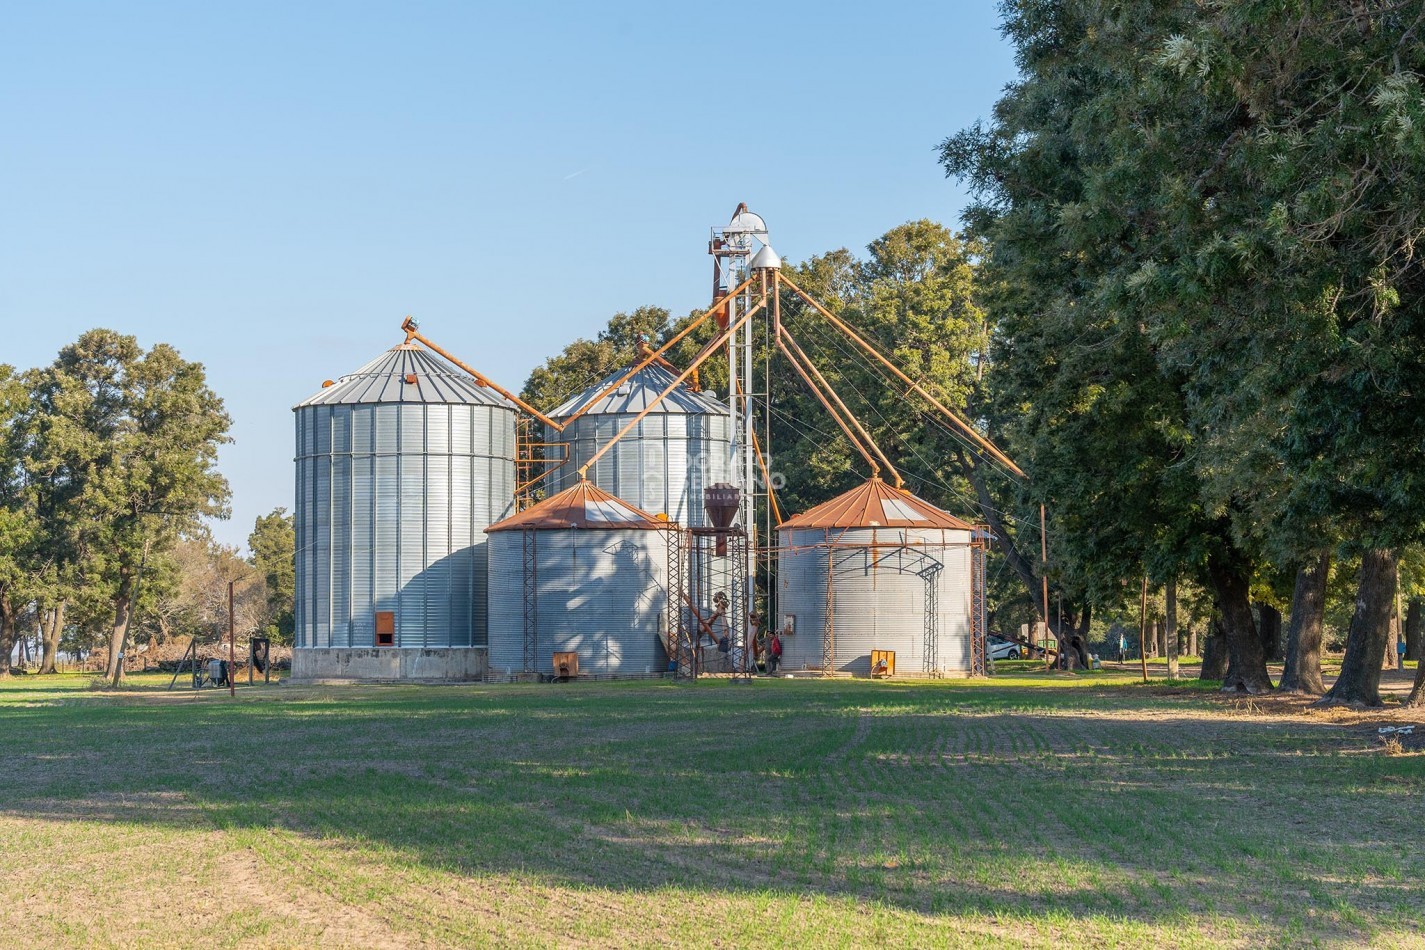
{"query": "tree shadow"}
[(934, 801)]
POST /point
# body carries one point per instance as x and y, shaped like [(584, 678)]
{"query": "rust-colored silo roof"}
[(875, 504), (581, 505)]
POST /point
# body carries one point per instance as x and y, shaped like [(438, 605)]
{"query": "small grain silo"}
[(878, 568), (681, 447), (586, 573), (400, 468)]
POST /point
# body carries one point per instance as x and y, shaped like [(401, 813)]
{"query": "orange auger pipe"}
[(967, 429), (658, 353), (850, 416), (713, 345), (830, 409), (413, 334)]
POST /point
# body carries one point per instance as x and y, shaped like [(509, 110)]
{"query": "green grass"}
[(1032, 808)]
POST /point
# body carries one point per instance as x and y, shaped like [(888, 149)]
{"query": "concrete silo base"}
[(389, 665)]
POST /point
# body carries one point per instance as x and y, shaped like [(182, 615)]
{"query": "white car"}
[(1001, 649)]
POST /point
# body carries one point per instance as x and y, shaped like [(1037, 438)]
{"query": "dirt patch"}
[(253, 883)]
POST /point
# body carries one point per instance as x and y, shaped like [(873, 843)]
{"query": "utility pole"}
[(1143, 629), (232, 648)]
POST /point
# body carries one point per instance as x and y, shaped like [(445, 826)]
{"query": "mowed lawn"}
[(1037, 810)]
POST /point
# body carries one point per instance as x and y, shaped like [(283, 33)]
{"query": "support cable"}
[(964, 426)]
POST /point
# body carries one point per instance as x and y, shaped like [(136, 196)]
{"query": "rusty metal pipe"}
[(830, 409), (707, 351), (656, 354), (967, 429), (412, 333), (850, 416)]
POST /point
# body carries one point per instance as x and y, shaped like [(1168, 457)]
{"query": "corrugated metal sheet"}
[(874, 503), (664, 463), (601, 594), (383, 380), (879, 581), (635, 395), (581, 505), (392, 502)]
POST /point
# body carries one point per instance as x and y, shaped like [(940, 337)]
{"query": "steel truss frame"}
[(708, 573)]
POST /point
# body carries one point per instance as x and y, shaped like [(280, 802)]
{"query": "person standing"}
[(774, 653)]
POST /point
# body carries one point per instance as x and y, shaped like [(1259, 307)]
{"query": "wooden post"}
[(1143, 629), (1170, 625), (232, 649)]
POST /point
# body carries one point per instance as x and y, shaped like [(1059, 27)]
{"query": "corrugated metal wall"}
[(662, 466), (879, 596), (391, 508), (602, 594)]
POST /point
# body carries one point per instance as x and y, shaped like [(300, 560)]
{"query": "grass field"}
[(1035, 809)]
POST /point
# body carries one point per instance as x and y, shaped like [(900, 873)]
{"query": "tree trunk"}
[(1192, 642), (1413, 623), (1214, 654), (1246, 662), (1391, 659), (119, 633), (1417, 691), (1271, 631), (50, 632), (7, 631), (1359, 681), (1302, 672), (1170, 626)]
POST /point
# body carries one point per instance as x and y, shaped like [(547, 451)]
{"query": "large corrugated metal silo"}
[(663, 465), (877, 568), (583, 572), (401, 466)]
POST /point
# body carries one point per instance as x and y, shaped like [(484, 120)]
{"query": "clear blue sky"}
[(272, 187)]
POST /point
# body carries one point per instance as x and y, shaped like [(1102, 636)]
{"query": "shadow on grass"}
[(1077, 803)]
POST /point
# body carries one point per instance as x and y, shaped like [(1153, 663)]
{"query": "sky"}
[(273, 187)]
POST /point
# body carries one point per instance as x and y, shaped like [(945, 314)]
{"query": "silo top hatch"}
[(875, 504), (634, 395), (582, 505), (407, 373)]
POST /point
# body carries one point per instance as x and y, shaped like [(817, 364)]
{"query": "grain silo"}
[(400, 468), (878, 568), (585, 573), (663, 465)]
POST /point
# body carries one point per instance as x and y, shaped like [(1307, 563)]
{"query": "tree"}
[(273, 544), (584, 362), (18, 529), (128, 442), (1080, 385)]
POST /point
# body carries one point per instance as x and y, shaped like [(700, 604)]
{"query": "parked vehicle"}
[(1002, 649)]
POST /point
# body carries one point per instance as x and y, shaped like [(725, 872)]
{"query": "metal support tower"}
[(978, 612), (828, 626), (679, 646), (709, 574), (733, 248), (930, 650)]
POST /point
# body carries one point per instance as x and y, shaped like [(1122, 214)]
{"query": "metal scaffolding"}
[(978, 612), (711, 572), (679, 646)]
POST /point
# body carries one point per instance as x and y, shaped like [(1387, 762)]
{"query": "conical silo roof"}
[(634, 395), (581, 505), (875, 504), (387, 379)]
